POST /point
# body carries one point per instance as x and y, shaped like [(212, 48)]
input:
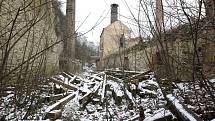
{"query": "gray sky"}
[(98, 10)]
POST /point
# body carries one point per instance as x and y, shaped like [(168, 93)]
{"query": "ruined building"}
[(171, 53), (114, 38)]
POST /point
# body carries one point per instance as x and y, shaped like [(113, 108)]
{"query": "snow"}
[(180, 108), (64, 79), (182, 86), (134, 118), (129, 95), (61, 77), (50, 108), (85, 87), (72, 79), (158, 114), (68, 75), (133, 86), (55, 111), (212, 80), (145, 91), (151, 83), (58, 86), (104, 89), (95, 76), (116, 87), (71, 110)]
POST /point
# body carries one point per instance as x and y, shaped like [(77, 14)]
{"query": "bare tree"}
[(27, 39)]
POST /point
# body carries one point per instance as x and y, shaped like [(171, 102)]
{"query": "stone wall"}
[(27, 30), (139, 58)]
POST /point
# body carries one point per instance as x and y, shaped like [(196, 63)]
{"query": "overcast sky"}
[(98, 10), (91, 12)]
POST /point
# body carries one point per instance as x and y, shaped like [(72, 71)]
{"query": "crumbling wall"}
[(180, 55), (28, 35)]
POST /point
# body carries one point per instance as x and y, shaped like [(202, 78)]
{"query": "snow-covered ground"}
[(100, 96), (116, 100), (196, 96)]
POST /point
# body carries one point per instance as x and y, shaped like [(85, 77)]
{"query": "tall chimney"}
[(114, 12), (159, 16), (68, 53)]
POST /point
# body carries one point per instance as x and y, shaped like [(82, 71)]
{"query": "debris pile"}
[(106, 95)]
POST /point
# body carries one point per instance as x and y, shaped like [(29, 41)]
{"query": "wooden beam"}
[(71, 87), (54, 114), (70, 81), (69, 75), (109, 77), (58, 105), (180, 110), (86, 98), (137, 76)]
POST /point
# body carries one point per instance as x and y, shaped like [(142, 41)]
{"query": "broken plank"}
[(114, 78), (71, 87), (137, 76), (70, 76), (96, 77), (72, 79), (85, 99), (54, 114), (59, 103), (134, 118), (56, 96)]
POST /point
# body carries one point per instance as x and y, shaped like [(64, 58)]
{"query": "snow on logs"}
[(181, 110), (90, 87), (53, 112), (85, 99), (103, 89), (68, 75), (68, 86), (137, 76)]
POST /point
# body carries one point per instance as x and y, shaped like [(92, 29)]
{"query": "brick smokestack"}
[(210, 9), (68, 54), (159, 16), (114, 12)]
